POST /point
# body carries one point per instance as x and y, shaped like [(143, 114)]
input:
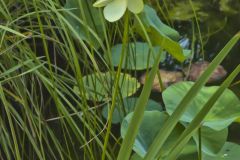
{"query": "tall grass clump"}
[(58, 73)]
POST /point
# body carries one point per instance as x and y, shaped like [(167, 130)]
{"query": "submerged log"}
[(167, 77), (192, 73), (197, 68)]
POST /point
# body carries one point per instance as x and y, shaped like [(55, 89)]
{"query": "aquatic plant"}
[(70, 80), (115, 9)]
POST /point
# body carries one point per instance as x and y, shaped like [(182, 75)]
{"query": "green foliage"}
[(138, 56), (236, 88), (135, 156), (99, 86), (138, 114), (150, 18), (182, 10), (150, 126), (12, 31), (229, 151), (225, 110), (159, 33), (157, 145), (101, 3), (212, 141), (229, 6), (55, 98), (85, 19), (175, 117), (212, 16), (127, 106)]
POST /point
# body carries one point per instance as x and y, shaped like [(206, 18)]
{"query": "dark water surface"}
[(218, 23)]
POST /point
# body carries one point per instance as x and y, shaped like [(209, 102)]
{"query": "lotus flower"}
[(115, 9)]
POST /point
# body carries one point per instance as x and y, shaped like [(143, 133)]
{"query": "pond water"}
[(218, 22)]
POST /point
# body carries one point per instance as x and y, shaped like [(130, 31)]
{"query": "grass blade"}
[(196, 122), (12, 31), (10, 120), (126, 147), (174, 118)]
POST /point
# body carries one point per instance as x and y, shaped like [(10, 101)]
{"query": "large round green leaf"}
[(138, 56), (100, 86), (150, 126), (225, 110), (115, 10), (189, 151), (230, 151), (128, 105), (91, 20), (212, 141)]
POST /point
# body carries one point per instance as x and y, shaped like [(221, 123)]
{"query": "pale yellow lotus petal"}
[(135, 6), (115, 10)]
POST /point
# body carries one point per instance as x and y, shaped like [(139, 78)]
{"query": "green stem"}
[(116, 85), (198, 28), (199, 144)]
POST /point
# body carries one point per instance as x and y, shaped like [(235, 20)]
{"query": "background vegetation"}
[(64, 68)]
